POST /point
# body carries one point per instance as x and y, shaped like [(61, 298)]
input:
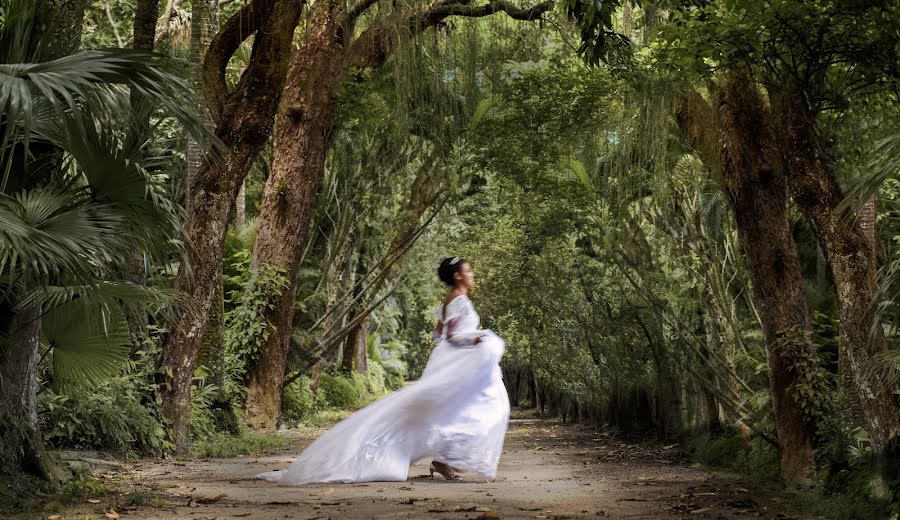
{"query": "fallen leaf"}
[(92, 501), (706, 494), (405, 488), (53, 517), (702, 510), (111, 514), (324, 492)]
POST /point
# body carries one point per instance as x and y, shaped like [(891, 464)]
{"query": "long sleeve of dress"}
[(455, 314)]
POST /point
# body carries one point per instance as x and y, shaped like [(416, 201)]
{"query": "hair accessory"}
[(454, 260)]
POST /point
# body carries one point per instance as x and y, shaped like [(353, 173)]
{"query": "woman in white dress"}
[(456, 413)]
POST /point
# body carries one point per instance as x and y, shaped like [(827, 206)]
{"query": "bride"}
[(456, 413)]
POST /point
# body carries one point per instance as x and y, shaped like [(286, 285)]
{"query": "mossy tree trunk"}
[(733, 137), (244, 118), (851, 256)]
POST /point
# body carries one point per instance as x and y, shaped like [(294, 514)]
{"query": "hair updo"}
[(449, 267)]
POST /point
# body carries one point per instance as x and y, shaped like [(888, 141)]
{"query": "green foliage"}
[(222, 445), (246, 328), (118, 414), (298, 402), (89, 343), (341, 391), (813, 389), (748, 456), (111, 416)]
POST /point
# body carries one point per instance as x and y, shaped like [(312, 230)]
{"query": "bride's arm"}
[(459, 339)]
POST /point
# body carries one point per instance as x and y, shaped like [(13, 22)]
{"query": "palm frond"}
[(89, 342), (104, 293), (56, 229), (884, 165), (120, 170)]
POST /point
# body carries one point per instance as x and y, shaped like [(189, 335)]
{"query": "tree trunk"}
[(305, 121), (356, 349), (850, 253), (244, 123), (134, 269), (60, 23), (204, 24), (735, 141), (145, 12), (58, 26)]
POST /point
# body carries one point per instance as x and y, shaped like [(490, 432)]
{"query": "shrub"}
[(340, 391), (299, 403), (113, 416)]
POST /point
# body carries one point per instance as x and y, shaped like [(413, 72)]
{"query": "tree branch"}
[(462, 8), (237, 29), (371, 47), (115, 26), (357, 10)]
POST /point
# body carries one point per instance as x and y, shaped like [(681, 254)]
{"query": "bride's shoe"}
[(446, 471)]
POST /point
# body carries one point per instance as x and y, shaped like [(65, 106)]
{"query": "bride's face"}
[(465, 277)]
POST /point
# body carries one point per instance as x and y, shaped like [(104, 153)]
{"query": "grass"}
[(839, 507), (223, 445)]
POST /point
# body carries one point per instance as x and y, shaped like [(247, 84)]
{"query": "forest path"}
[(548, 470)]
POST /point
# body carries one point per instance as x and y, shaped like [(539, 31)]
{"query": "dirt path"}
[(549, 470)]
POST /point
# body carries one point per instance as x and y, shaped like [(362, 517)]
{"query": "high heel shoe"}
[(446, 472)]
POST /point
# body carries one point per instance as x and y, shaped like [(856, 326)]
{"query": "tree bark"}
[(145, 13), (356, 349), (245, 118), (240, 206), (134, 269), (850, 254), (204, 24), (734, 139), (58, 26), (60, 23), (305, 121)]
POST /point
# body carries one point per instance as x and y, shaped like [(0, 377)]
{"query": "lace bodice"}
[(458, 324)]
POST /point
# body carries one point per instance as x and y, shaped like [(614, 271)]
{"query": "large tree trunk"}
[(735, 141), (850, 254), (305, 127), (58, 26), (245, 119), (22, 447)]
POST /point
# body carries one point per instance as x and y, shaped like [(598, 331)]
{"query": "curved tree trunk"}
[(850, 254), (735, 141), (244, 123)]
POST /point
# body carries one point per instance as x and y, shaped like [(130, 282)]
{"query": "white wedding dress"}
[(457, 413)]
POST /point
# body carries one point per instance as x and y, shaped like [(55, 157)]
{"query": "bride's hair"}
[(449, 267)]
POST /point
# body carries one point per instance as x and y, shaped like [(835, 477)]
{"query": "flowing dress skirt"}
[(457, 413)]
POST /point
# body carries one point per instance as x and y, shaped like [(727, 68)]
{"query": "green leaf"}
[(89, 342)]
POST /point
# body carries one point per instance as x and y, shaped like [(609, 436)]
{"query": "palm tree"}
[(79, 189)]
